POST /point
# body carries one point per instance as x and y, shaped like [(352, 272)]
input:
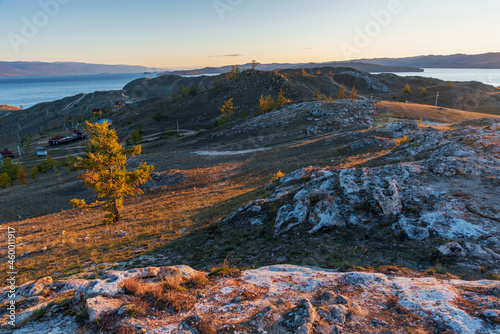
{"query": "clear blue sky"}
[(197, 33)]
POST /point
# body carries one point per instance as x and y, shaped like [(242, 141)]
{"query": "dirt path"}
[(223, 153), (74, 102)]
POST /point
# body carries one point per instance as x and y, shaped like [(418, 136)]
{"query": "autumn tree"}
[(407, 89), (423, 92), (5, 180), (342, 92), (10, 168), (235, 72), (266, 104), (318, 96), (227, 111), (354, 94), (136, 137), (22, 175), (105, 171), (282, 100)]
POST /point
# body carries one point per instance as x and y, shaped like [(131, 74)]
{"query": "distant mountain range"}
[(486, 60), (22, 68), (409, 64), (365, 67)]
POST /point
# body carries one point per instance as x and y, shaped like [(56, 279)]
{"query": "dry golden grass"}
[(150, 221), (179, 301), (428, 113), (138, 309), (197, 281), (172, 281), (132, 285)]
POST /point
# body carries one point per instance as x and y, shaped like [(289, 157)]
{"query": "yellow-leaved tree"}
[(105, 171), (227, 111)]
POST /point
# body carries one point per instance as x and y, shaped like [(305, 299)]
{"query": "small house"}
[(104, 120), (58, 140), (7, 154), (97, 112)]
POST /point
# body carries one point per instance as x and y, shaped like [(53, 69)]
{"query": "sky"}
[(181, 34)]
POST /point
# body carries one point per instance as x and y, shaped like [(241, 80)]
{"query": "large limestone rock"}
[(98, 306), (288, 299)]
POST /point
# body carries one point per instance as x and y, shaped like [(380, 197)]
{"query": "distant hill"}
[(21, 68), (486, 60), (365, 67)]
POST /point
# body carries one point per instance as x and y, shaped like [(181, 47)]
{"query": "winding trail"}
[(74, 102)]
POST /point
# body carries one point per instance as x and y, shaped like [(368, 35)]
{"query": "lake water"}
[(28, 91), (487, 76)]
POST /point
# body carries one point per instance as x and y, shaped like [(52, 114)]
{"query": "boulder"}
[(300, 319), (39, 286), (98, 306), (452, 249)]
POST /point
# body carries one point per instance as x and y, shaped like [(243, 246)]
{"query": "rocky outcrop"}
[(275, 299), (450, 190)]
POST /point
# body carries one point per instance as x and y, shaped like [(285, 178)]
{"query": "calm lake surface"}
[(490, 77), (28, 91)]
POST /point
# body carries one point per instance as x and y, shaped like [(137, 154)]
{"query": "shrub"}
[(34, 172), (423, 92), (278, 175), (402, 140), (157, 117)]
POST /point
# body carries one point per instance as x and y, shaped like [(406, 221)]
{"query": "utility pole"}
[(437, 97)]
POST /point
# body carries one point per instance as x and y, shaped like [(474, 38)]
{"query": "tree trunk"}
[(115, 212)]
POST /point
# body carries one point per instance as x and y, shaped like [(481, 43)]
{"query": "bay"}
[(487, 76), (30, 90)]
